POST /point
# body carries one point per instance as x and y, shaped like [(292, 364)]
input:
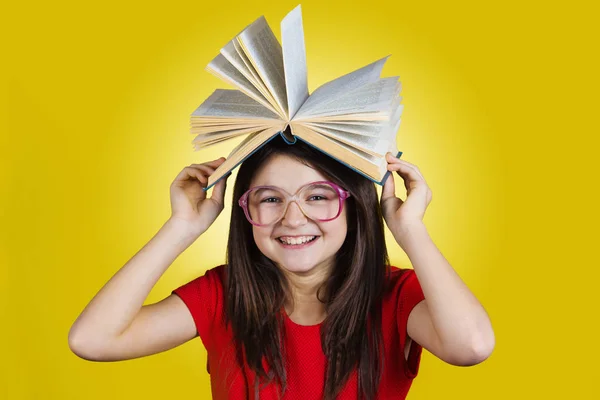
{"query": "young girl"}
[(307, 305)]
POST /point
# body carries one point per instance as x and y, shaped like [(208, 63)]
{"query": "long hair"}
[(256, 289)]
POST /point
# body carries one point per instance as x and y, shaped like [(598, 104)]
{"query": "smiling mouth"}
[(298, 243)]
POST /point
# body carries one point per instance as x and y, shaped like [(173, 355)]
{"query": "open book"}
[(353, 118)]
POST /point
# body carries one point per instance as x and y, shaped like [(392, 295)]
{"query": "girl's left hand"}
[(398, 214)]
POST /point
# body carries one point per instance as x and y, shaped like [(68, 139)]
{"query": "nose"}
[(293, 215)]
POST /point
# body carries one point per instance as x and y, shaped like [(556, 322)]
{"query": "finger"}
[(389, 201), (213, 163), (202, 165), (405, 179), (210, 167), (389, 187), (390, 158), (191, 173), (203, 168), (405, 169), (200, 176), (410, 176), (218, 193)]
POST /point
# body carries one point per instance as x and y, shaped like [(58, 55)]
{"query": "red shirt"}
[(306, 362)]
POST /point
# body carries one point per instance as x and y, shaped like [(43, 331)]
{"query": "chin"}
[(297, 266), (300, 263)]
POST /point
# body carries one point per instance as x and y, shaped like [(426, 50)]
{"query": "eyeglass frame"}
[(342, 196)]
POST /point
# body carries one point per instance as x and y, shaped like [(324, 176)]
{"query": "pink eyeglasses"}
[(320, 201)]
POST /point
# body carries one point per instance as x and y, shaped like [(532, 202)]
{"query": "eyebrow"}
[(320, 185), (258, 191)]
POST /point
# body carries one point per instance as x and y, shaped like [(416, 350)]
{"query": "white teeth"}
[(298, 240)]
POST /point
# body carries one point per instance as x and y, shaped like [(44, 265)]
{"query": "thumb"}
[(389, 188), (218, 193), (389, 201)]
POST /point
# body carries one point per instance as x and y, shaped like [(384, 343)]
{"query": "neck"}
[(304, 307)]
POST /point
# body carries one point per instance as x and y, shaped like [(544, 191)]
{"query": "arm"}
[(450, 322), (115, 325)]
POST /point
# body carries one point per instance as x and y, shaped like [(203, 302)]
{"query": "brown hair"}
[(256, 289)]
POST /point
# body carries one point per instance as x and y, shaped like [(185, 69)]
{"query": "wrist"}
[(183, 229), (408, 231)]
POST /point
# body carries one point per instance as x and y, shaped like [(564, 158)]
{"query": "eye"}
[(266, 200), (317, 195)]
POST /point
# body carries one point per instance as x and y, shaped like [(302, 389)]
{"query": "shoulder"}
[(397, 277), (402, 288), (203, 297), (212, 278), (217, 273), (203, 293)]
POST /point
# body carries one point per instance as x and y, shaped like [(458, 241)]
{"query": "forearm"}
[(458, 317), (115, 306)]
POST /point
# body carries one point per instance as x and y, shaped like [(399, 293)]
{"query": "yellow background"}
[(500, 116)]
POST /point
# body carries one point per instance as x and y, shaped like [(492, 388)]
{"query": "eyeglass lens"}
[(267, 205)]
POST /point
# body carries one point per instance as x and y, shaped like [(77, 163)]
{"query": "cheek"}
[(261, 235), (337, 229), (262, 239)]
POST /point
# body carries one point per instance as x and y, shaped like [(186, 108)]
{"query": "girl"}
[(307, 305)]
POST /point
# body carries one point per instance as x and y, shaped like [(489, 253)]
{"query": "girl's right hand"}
[(188, 199)]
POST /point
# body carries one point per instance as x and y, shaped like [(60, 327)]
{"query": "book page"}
[(350, 118), (246, 147), (373, 130), (374, 145), (204, 145), (264, 52), (209, 137), (372, 97), (232, 104), (232, 55), (345, 122), (256, 78), (294, 60), (372, 166), (260, 85), (208, 144), (211, 122), (211, 129), (339, 86), (223, 69)]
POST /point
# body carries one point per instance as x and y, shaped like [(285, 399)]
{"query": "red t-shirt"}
[(306, 362)]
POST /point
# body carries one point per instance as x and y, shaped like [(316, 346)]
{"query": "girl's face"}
[(290, 174)]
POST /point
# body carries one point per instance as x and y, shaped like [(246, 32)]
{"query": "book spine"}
[(381, 183), (292, 138)]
